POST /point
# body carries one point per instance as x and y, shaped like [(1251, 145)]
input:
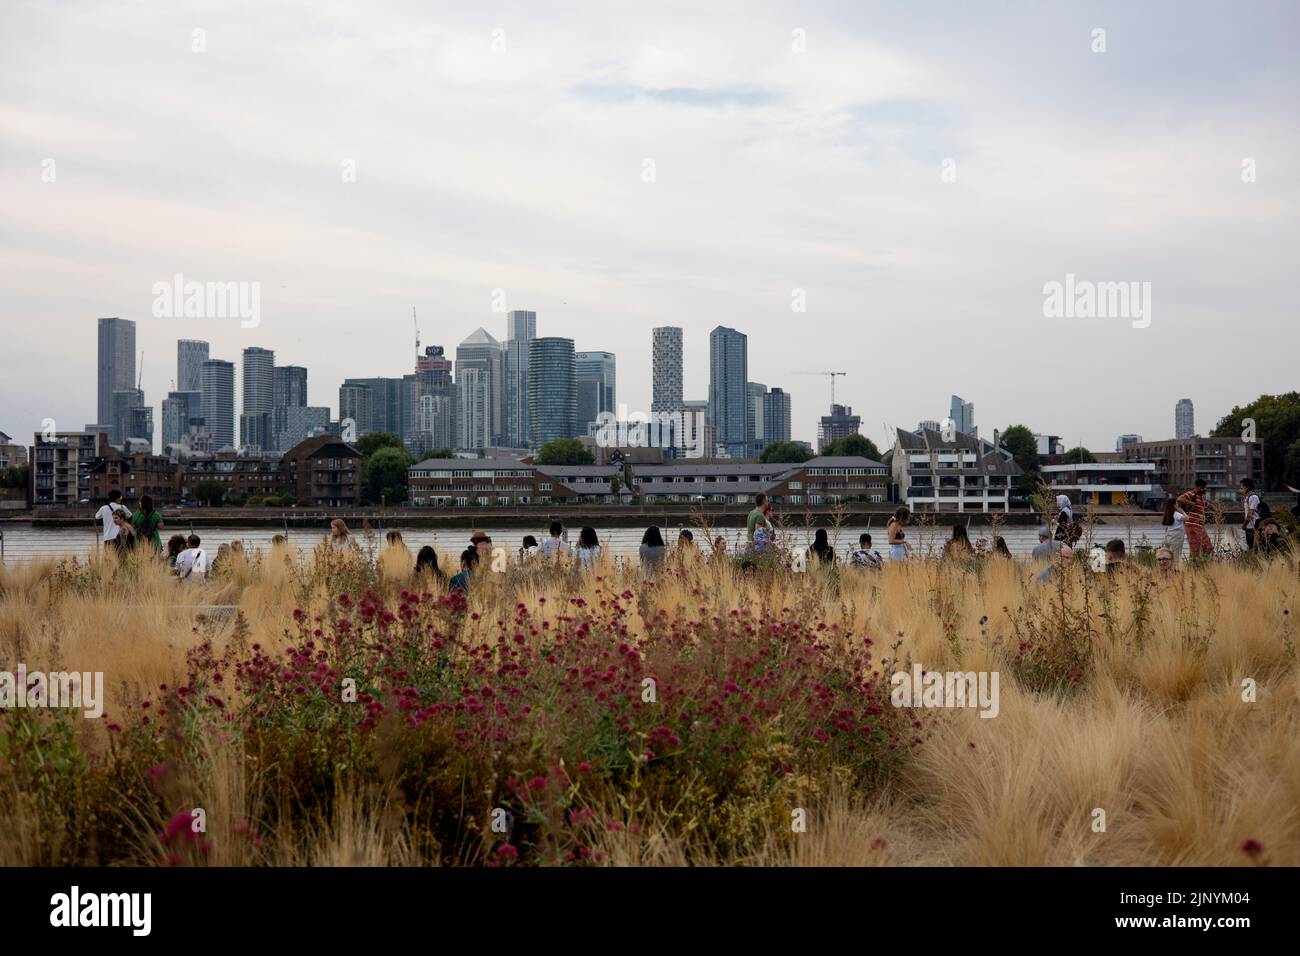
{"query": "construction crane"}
[(832, 378)]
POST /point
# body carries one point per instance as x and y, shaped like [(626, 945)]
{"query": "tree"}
[(208, 492), (854, 446), (1291, 465), (371, 443), (785, 451), (1277, 425), (1022, 444), (437, 453), (564, 451), (384, 474), (1078, 456)]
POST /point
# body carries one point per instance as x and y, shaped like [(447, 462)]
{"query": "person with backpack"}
[(147, 522), (1254, 509), (193, 561), (105, 516)]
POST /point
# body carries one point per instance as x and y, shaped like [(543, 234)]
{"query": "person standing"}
[(1175, 532), (757, 518), (899, 549), (147, 521), (111, 530), (1251, 510), (1192, 505), (821, 550)]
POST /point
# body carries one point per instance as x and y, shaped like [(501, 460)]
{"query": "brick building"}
[(325, 470), (1222, 462)]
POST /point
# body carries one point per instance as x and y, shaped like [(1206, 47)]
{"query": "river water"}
[(22, 542)]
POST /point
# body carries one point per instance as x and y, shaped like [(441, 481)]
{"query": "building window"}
[(544, 486)]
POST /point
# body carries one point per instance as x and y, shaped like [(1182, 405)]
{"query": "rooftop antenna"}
[(417, 330), (140, 377)]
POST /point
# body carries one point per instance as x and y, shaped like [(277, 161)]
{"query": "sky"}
[(884, 190)]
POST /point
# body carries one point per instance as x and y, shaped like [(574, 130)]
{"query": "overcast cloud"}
[(522, 169)]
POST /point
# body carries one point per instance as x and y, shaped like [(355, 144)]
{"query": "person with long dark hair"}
[(1000, 547), (147, 521), (959, 546), (426, 563), (468, 562), (1175, 534), (588, 550), (899, 549), (652, 548), (821, 550)]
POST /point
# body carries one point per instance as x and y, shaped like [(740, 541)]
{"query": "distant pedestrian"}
[(110, 529), (865, 556), (588, 550), (147, 522), (758, 517), (340, 538), (555, 545), (426, 566), (192, 563), (899, 549), (959, 546), (821, 550), (652, 549), (1253, 509), (468, 562), (1175, 531), (1046, 547), (175, 545), (1193, 504)]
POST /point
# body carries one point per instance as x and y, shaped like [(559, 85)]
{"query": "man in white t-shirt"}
[(555, 545), (1250, 508), (193, 561), (105, 516)]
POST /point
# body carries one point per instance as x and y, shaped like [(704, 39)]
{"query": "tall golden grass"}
[(1158, 736)]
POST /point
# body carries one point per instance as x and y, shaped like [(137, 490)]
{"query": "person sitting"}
[(426, 566), (959, 546), (652, 549), (821, 550), (865, 556), (468, 562)]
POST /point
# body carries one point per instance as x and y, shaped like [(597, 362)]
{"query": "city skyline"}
[(775, 177)]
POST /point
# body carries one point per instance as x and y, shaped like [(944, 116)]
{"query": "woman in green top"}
[(147, 522)]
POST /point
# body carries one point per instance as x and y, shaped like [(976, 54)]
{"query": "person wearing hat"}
[(482, 543), (1046, 547)]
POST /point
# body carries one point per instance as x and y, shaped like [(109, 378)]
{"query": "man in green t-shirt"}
[(756, 517)]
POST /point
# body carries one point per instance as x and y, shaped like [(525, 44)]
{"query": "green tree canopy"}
[(371, 443), (859, 446), (384, 475), (208, 491), (1277, 425), (564, 451), (785, 451), (1078, 456), (437, 453), (1022, 444)]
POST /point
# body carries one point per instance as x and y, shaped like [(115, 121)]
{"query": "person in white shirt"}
[(105, 516), (1250, 509), (588, 550), (555, 545), (1175, 534), (193, 561)]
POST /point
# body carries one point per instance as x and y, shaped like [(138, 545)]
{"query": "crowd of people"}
[(1184, 520)]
